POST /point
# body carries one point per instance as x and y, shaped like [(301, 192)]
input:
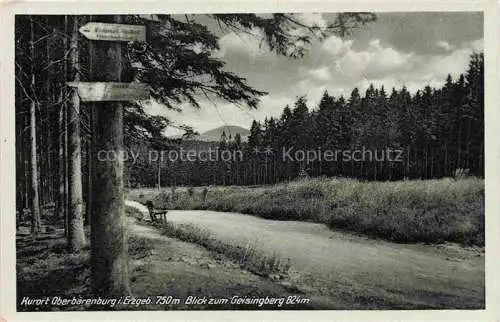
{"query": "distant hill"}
[(215, 134)]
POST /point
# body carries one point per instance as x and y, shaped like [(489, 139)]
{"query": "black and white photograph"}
[(250, 161)]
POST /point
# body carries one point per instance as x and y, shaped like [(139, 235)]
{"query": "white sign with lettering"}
[(110, 91), (113, 32)]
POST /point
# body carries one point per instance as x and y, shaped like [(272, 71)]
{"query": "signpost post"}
[(107, 90)]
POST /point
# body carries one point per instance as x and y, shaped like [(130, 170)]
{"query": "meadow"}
[(429, 211)]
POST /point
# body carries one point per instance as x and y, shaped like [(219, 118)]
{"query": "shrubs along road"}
[(431, 211)]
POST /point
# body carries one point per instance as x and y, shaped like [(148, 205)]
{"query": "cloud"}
[(428, 69), (311, 19), (241, 45), (336, 46), (387, 57), (272, 105), (476, 45), (336, 65), (453, 63), (372, 61), (321, 74), (444, 45), (437, 67), (375, 61), (342, 67), (313, 90)]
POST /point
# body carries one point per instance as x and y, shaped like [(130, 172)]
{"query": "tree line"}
[(436, 132)]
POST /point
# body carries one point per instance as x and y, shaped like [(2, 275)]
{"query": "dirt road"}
[(178, 270), (370, 273)]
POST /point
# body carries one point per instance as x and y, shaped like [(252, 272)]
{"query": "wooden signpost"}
[(110, 91), (113, 32), (106, 92), (152, 18)]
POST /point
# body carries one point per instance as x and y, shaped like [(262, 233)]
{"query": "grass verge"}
[(246, 256), (431, 211)]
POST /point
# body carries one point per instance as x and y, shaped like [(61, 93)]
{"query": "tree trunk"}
[(90, 111), (64, 177), (426, 176), (481, 160), (35, 201), (35, 211), (109, 263), (432, 162), (446, 159), (76, 235), (61, 198), (468, 140), (459, 144), (407, 173), (159, 175), (66, 171), (26, 153), (49, 175), (88, 203)]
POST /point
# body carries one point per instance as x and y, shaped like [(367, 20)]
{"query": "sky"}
[(400, 49)]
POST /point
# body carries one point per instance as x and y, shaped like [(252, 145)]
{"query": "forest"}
[(439, 132), (59, 181)]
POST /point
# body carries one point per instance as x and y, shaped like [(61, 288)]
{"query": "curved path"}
[(371, 273), (139, 206)]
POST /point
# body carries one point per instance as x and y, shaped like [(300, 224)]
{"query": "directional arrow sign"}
[(150, 18), (113, 32), (110, 91)]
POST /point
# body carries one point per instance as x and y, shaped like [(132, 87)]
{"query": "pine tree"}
[(327, 129), (76, 235), (474, 113), (35, 199), (254, 149)]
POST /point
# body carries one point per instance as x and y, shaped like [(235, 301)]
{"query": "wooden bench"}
[(156, 214)]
